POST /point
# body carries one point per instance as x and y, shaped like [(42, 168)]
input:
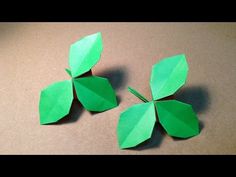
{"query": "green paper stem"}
[(68, 72), (137, 94)]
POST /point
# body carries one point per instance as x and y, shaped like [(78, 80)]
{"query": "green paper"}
[(55, 101), (95, 93), (68, 72), (168, 76), (137, 94), (85, 53), (136, 124), (177, 118)]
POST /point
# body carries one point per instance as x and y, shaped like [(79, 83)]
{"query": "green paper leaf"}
[(55, 101), (136, 124), (177, 118), (95, 93), (68, 72), (137, 94), (85, 53), (168, 76)]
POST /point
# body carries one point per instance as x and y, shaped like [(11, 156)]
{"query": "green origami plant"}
[(178, 119), (95, 93)]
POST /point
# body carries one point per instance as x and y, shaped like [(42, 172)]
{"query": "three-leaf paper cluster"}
[(178, 119), (94, 93)]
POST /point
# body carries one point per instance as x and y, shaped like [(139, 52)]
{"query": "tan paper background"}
[(34, 55)]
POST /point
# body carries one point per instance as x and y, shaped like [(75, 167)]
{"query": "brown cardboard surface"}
[(34, 55)]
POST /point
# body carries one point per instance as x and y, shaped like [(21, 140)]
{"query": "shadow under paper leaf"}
[(197, 96), (74, 114), (117, 76)]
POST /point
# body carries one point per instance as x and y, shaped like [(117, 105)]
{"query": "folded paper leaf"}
[(168, 76), (85, 53), (95, 93), (136, 124), (177, 118), (55, 101)]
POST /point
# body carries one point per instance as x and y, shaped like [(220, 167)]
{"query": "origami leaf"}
[(95, 93), (85, 53), (168, 76), (136, 124), (177, 118), (55, 101)]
